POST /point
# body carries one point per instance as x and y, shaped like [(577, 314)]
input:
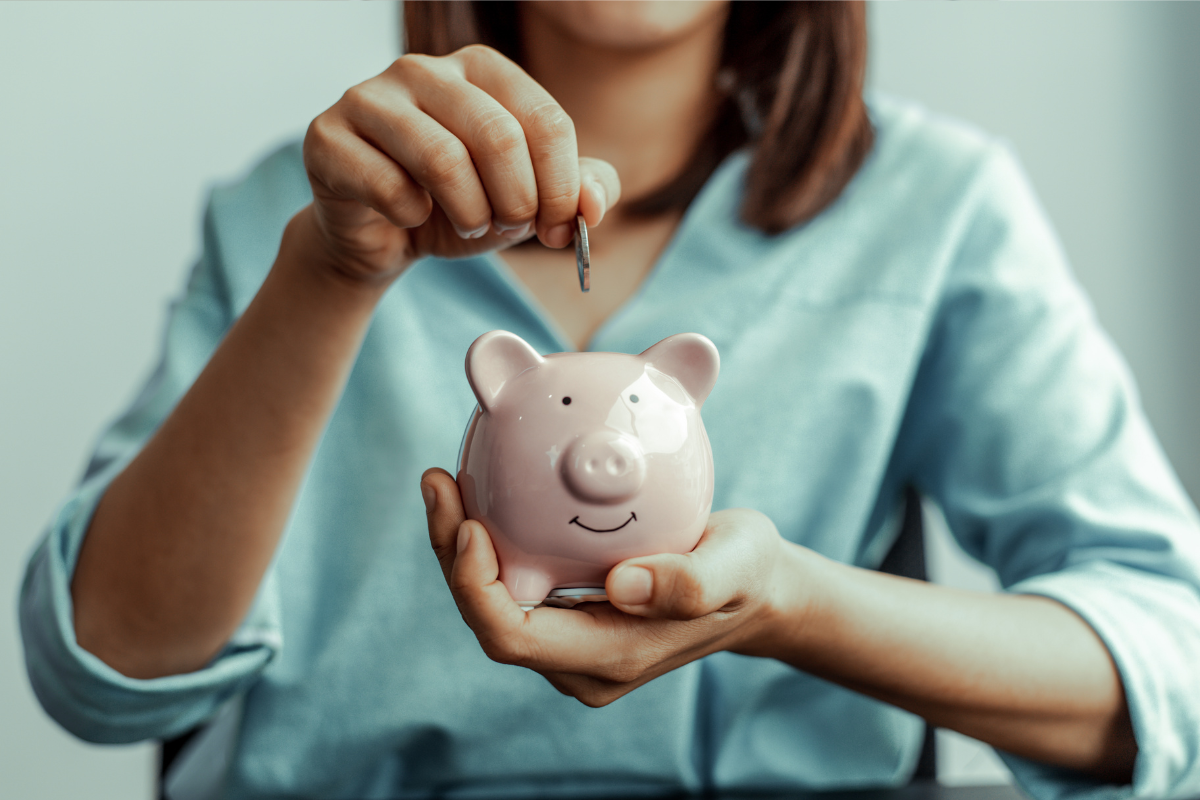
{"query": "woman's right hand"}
[(467, 141), (446, 156)]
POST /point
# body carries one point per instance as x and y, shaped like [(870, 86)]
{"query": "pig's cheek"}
[(682, 494), (536, 509)]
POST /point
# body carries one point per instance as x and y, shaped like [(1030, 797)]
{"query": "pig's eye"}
[(566, 401), (633, 398)]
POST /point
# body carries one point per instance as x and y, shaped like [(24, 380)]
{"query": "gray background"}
[(114, 118)]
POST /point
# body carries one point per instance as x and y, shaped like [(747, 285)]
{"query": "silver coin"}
[(583, 258)]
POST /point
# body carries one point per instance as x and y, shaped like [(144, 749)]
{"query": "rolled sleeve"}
[(81, 692), (91, 699), (1148, 622)]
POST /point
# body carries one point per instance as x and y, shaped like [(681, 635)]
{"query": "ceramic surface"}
[(577, 461)]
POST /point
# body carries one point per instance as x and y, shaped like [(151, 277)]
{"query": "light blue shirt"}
[(924, 330)]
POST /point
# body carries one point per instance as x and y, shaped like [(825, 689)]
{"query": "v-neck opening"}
[(532, 304), (653, 276)]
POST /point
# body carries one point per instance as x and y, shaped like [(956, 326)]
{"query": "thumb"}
[(599, 189), (673, 586)]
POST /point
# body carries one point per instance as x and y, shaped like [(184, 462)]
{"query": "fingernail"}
[(475, 234), (517, 233), (464, 538), (559, 236), (632, 586), (430, 497)]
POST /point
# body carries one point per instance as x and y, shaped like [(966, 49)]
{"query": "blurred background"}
[(114, 118)]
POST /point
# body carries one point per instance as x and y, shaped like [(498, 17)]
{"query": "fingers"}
[(545, 639), (433, 156), (493, 137), (730, 563), (444, 513), (348, 168), (468, 139), (496, 143), (484, 602), (597, 653), (599, 642), (488, 143), (472, 571), (469, 564), (548, 132)]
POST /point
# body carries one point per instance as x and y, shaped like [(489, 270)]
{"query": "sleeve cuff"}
[(1150, 624), (91, 699)]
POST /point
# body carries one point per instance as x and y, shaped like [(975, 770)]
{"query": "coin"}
[(583, 258)]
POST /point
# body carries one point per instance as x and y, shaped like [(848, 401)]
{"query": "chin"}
[(628, 25)]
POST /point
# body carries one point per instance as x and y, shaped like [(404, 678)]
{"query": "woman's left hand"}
[(663, 612), (1022, 673)]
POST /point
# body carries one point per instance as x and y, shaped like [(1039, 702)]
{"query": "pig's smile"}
[(575, 521)]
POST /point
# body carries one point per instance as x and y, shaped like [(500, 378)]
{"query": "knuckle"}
[(549, 125), (561, 686), (412, 65), (444, 552), (321, 133), (316, 143), (689, 597), (590, 700), (594, 696), (520, 211), (442, 162), (402, 203), (327, 159), (560, 196), (356, 97), (477, 53), (460, 584), (395, 194), (498, 652), (506, 649), (500, 135)]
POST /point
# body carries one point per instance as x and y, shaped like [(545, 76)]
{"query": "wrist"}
[(305, 257), (795, 604)]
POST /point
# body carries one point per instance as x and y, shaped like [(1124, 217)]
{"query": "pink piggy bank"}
[(577, 461)]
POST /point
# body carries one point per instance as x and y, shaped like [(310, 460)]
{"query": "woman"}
[(891, 309)]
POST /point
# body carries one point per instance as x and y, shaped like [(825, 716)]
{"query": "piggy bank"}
[(574, 462)]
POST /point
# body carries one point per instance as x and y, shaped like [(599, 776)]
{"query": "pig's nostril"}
[(591, 465), (615, 465)]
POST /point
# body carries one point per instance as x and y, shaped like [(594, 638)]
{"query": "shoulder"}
[(246, 217), (900, 225), (934, 170), (927, 190), (939, 168), (913, 142)]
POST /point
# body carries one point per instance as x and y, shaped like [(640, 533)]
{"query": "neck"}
[(642, 110)]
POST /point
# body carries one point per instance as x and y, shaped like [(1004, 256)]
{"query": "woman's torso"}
[(380, 690)]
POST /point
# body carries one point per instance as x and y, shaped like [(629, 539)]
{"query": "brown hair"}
[(792, 77)]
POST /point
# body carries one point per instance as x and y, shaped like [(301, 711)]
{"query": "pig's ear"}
[(493, 359), (690, 359)]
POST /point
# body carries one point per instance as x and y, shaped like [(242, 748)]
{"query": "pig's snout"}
[(604, 467)]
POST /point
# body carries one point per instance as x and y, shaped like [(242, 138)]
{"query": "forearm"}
[(1022, 673), (180, 541)]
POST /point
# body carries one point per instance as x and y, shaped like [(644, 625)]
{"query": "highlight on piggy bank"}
[(574, 462)]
